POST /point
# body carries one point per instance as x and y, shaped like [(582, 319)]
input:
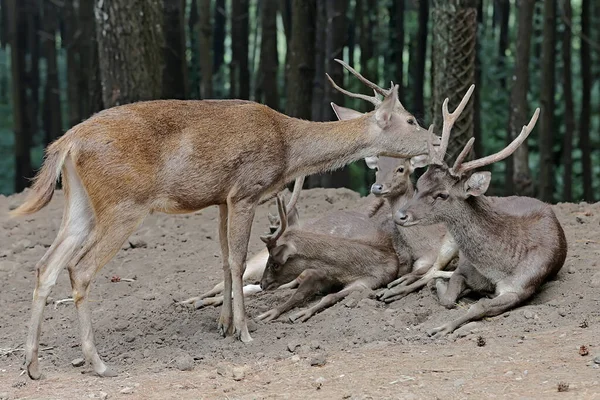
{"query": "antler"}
[(449, 120), (270, 240), (376, 89), (460, 168)]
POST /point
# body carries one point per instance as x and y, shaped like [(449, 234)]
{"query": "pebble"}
[(238, 373), (295, 358), (528, 314), (596, 280), (314, 345), (319, 382), (184, 362), (138, 244), (4, 396), (318, 361), (562, 312), (126, 390), (597, 359), (78, 362), (292, 346), (130, 337)]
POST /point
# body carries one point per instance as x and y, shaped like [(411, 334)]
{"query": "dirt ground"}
[(362, 348)]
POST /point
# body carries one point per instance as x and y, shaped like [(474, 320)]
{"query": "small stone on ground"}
[(78, 362), (184, 362)]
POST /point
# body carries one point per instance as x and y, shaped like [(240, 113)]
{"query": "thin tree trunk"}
[(130, 45), (174, 78), (396, 31), (421, 54), (546, 128), (239, 72), (455, 35), (504, 11), (194, 37), (71, 43), (586, 98), (220, 21), (569, 107), (318, 105), (23, 169), (301, 68), (334, 48), (368, 59), (52, 111), (33, 78), (267, 80), (478, 147), (206, 64), (90, 88), (522, 183)]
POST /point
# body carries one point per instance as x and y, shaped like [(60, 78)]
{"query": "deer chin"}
[(381, 194), (409, 223)]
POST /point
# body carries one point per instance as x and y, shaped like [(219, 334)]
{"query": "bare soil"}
[(362, 348)]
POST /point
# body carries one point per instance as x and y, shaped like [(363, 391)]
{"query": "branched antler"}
[(271, 240), (375, 100)]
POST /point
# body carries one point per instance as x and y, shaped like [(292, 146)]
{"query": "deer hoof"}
[(33, 370), (439, 332), (108, 373), (243, 335)]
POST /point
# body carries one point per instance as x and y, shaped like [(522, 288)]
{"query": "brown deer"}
[(508, 246), (346, 251), (177, 156)]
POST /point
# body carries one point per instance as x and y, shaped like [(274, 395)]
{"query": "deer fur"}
[(347, 251), (508, 246), (177, 156)]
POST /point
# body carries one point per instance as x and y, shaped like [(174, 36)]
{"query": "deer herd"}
[(174, 156)]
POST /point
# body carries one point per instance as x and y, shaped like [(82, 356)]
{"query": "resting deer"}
[(176, 156), (355, 254), (508, 246)]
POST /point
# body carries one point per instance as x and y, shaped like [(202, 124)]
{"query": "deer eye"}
[(441, 195), (411, 121), (400, 170)]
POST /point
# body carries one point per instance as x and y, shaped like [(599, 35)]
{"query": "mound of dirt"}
[(141, 328)]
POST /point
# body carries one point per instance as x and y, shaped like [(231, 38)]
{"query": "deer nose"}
[(377, 188), (401, 217)]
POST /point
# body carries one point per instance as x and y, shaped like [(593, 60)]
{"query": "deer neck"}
[(314, 147), (475, 223)]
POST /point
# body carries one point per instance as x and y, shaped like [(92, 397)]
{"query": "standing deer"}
[(177, 156), (508, 246)]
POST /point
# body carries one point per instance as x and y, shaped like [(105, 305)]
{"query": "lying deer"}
[(508, 246), (182, 156), (328, 262)]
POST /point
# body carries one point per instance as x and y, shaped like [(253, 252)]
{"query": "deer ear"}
[(478, 183), (283, 252), (419, 162), (384, 112), (344, 113), (372, 162)]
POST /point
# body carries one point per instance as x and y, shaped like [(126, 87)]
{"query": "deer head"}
[(392, 175), (442, 192), (397, 130), (280, 250)]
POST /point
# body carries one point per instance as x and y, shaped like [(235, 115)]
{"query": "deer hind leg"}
[(76, 224), (239, 225), (104, 242)]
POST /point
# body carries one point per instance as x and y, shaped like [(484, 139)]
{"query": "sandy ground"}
[(361, 348)]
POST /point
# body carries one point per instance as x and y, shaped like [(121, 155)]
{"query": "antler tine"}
[(295, 194), (371, 99), (364, 80), (450, 119), (463, 154), (507, 151), (272, 239)]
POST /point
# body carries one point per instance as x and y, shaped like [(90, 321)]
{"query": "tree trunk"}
[(52, 111), (206, 64), (546, 128), (174, 78), (239, 72), (33, 76), (478, 146), (21, 126), (395, 58), (569, 107), (522, 183), (220, 21), (586, 98), (90, 89), (301, 68), (334, 48), (130, 45), (318, 105), (368, 58), (504, 11), (194, 65), (455, 35), (74, 71), (267, 80), (418, 88)]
